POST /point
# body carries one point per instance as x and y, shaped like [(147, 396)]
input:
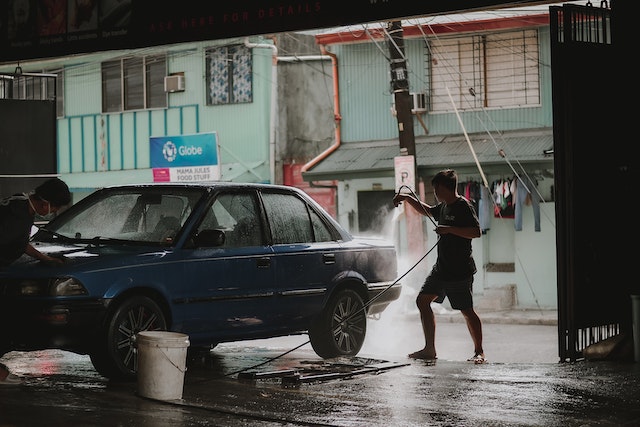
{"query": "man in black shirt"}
[(452, 274), (17, 214)]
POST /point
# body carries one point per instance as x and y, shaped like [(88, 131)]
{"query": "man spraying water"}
[(452, 274)]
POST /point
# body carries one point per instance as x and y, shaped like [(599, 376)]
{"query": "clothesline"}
[(505, 198)]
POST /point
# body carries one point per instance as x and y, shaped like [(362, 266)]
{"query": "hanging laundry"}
[(525, 195), (485, 209), (503, 198), (470, 190)]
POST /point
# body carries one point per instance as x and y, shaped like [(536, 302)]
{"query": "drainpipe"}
[(336, 114), (274, 102)]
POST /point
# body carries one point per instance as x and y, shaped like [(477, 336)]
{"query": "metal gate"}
[(28, 130), (594, 276)]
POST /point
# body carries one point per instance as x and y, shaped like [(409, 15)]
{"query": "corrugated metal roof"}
[(375, 158), (362, 32)]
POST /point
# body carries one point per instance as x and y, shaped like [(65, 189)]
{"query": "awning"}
[(530, 149)]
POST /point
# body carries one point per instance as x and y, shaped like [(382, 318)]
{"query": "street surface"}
[(523, 384)]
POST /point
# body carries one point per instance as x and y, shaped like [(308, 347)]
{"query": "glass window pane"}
[(108, 215), (471, 65), (289, 219), (17, 91), (111, 88), (156, 68), (35, 88), (495, 70), (218, 76), (60, 94), (320, 230), (512, 69), (242, 64), (229, 75), (238, 215), (133, 84), (445, 74)]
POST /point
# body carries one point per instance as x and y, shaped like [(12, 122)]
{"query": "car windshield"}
[(131, 215)]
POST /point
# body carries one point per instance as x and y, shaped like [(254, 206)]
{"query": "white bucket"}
[(162, 359)]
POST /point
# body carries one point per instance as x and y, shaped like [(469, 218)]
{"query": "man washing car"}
[(17, 214)]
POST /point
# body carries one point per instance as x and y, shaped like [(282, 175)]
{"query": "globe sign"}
[(169, 151)]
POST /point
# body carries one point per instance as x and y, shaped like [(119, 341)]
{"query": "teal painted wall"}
[(96, 149), (366, 98)]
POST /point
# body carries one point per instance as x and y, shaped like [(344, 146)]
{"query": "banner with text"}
[(60, 28), (185, 158)]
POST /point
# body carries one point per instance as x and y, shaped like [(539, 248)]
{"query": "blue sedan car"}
[(219, 262)]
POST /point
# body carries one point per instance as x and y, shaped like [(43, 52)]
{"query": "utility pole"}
[(402, 98), (400, 88)]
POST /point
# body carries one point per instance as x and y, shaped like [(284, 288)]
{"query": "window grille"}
[(134, 83), (229, 75), (485, 71)]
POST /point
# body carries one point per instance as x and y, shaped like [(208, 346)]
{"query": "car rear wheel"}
[(116, 355), (341, 328)]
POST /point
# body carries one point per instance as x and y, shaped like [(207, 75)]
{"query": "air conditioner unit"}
[(418, 102), (174, 83)]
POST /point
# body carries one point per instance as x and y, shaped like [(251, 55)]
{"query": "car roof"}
[(204, 185)]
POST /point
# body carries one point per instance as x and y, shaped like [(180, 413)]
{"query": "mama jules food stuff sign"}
[(185, 158)]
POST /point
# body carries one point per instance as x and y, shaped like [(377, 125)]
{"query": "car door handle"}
[(329, 258), (264, 262)]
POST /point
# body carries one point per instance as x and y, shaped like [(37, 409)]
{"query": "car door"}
[(230, 287), (306, 256)]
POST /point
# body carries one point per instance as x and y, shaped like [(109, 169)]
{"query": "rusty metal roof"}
[(532, 149)]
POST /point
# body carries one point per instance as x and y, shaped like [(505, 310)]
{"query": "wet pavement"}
[(275, 383)]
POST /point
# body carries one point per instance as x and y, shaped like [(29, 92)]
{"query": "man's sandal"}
[(478, 359)]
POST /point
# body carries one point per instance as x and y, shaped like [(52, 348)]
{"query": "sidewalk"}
[(512, 317), (444, 313), (510, 336)]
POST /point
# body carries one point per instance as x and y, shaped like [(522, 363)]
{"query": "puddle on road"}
[(55, 369), (445, 393)]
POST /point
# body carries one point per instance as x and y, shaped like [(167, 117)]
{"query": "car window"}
[(107, 218), (288, 218), (132, 215), (238, 216), (320, 230)]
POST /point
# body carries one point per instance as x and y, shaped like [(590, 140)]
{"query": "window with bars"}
[(35, 86), (229, 75), (134, 83), (485, 71)]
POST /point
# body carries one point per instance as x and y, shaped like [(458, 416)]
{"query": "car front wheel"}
[(341, 328), (116, 355)]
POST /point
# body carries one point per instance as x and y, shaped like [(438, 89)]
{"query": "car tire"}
[(341, 328), (116, 355)]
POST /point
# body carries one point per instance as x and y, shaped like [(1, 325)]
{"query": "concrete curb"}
[(515, 317)]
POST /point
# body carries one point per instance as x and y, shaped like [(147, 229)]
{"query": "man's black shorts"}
[(459, 292)]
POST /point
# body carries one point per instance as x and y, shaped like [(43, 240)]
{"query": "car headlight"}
[(67, 286), (57, 287)]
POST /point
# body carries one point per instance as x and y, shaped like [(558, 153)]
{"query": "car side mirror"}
[(209, 238)]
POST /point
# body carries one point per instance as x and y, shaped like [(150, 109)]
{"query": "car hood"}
[(83, 257)]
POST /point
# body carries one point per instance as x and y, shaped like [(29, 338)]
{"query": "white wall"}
[(535, 259), (533, 253)]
